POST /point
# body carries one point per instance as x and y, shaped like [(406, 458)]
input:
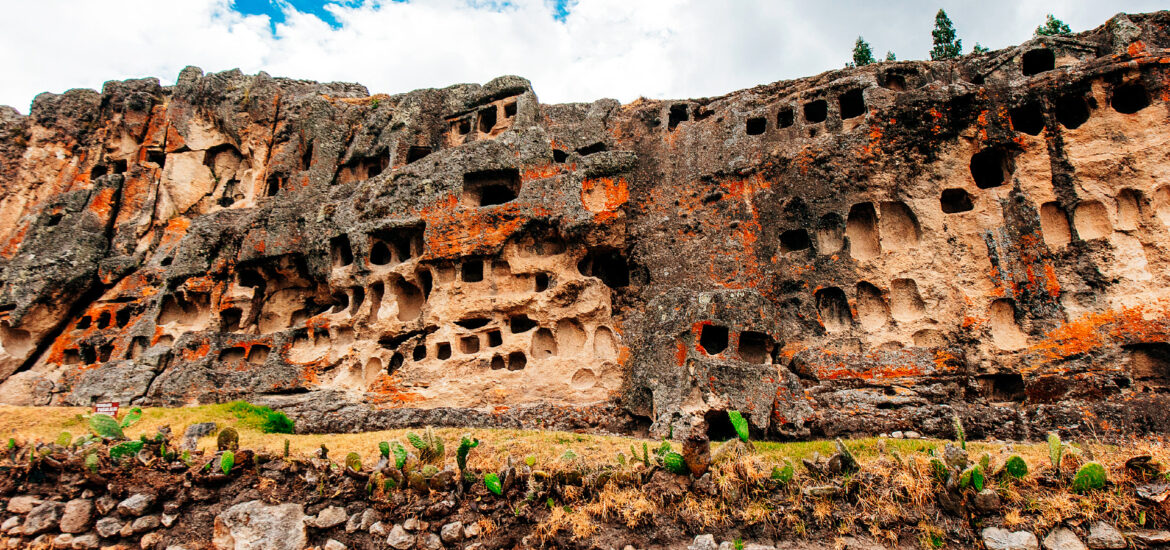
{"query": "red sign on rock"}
[(108, 407)]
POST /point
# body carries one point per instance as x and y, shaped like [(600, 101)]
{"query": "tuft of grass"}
[(262, 418)]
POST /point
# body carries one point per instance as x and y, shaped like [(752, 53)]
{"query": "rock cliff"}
[(865, 250)]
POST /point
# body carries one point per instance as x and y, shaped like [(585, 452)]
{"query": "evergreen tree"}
[(946, 46), (891, 57), (862, 54), (1053, 27), (979, 49)]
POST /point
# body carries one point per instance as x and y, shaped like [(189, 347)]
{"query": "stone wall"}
[(866, 250)]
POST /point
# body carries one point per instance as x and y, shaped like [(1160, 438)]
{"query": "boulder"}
[(327, 518), (379, 529), (1062, 538), (43, 517), (399, 538), (108, 527), (23, 504), (255, 525), (78, 516), (136, 505), (88, 541), (704, 542), (452, 532), (1104, 536), (430, 541), (997, 538), (334, 545)]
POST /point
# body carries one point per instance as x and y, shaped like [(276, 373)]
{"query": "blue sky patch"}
[(274, 9)]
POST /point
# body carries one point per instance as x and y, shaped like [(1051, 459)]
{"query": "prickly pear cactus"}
[(353, 461), (131, 417), (492, 482), (228, 440), (783, 474), (226, 461), (740, 424), (125, 449), (399, 454), (64, 439), (465, 446), (1016, 467), (106, 427), (1089, 477), (384, 448)]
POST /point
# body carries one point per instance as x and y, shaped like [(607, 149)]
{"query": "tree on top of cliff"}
[(862, 54), (890, 56), (1053, 27), (946, 46)]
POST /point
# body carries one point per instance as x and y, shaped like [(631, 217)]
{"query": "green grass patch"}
[(261, 418)]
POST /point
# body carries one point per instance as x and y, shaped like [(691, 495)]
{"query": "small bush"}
[(261, 418)]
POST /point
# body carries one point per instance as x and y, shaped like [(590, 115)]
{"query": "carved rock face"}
[(862, 251)]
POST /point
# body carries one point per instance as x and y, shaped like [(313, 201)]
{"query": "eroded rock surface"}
[(866, 250)]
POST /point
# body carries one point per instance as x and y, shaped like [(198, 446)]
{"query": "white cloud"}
[(604, 48)]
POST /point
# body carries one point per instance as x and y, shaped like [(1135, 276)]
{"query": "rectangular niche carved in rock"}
[(489, 187)]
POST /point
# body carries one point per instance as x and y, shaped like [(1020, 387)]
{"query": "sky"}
[(571, 50)]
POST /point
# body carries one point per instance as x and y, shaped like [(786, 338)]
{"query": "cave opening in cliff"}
[(98, 171), (443, 351), (816, 111), (471, 270), (1008, 386), (1149, 365), (1129, 98), (103, 320), (1091, 220), (498, 362), (517, 360), (794, 240), (122, 317), (861, 228), (990, 168), (159, 158), (416, 152), (954, 201), (490, 187), (1037, 61), (785, 118), (419, 353), (54, 219), (719, 427), (121, 166), (521, 323), (830, 233), (1054, 226), (469, 344), (342, 253), (230, 319), (756, 126), (495, 338), (678, 114), (473, 323), (608, 265), (560, 156), (1028, 118), (88, 355), (395, 363), (713, 338), (84, 322), (258, 354), (755, 347), (898, 226), (137, 346), (380, 253), (544, 344), (1071, 110), (540, 281), (340, 302), (273, 185), (487, 119), (894, 81), (461, 126), (592, 148), (510, 109), (409, 298), (1129, 209), (852, 104), (833, 309)]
